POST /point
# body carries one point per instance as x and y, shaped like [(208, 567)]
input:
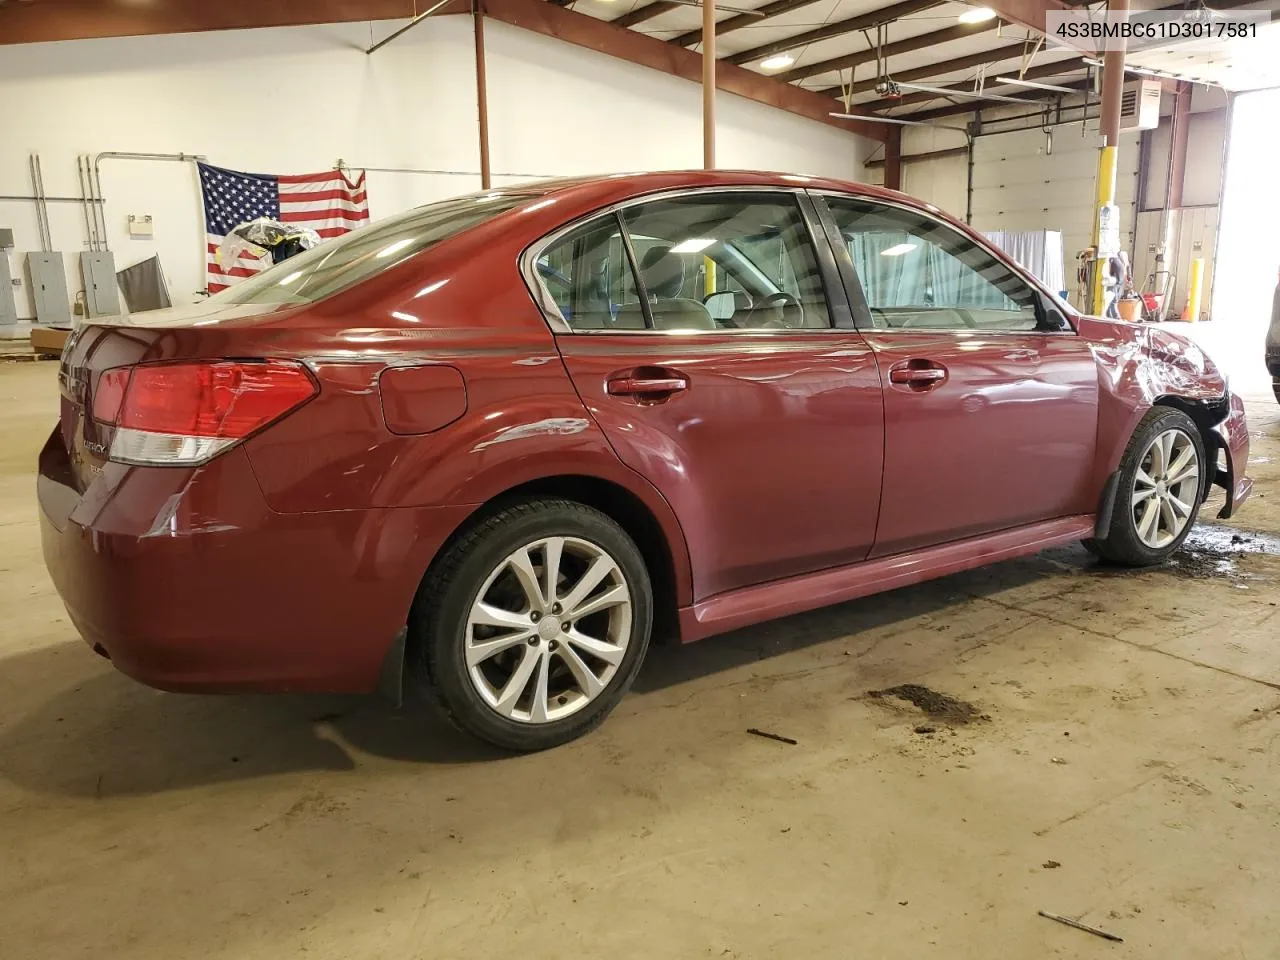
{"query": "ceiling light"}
[(778, 62), (977, 15), (1019, 82), (954, 92), (693, 245), (899, 249), (897, 121)]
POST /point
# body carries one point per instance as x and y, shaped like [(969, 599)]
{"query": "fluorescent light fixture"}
[(290, 278), (1019, 82), (971, 94), (777, 63), (693, 245), (896, 121), (977, 15), (899, 249), (391, 249)]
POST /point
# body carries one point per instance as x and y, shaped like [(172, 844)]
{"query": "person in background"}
[(1273, 341)]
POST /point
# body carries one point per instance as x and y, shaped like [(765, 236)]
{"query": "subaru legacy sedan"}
[(486, 449)]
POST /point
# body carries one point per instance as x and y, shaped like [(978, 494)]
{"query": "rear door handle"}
[(918, 374), (646, 384)]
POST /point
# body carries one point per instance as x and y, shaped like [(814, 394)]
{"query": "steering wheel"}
[(782, 300)]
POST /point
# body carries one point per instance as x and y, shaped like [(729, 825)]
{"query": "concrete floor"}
[(1125, 774)]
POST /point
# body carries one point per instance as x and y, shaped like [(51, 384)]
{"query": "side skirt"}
[(738, 608)]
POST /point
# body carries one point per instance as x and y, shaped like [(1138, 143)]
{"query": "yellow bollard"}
[(1194, 289), (708, 276)]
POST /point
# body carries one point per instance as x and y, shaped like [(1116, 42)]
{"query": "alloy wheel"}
[(1165, 488), (548, 629)]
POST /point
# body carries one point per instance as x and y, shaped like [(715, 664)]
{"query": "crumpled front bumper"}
[(1233, 435)]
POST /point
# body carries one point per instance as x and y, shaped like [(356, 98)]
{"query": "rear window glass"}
[(350, 258)]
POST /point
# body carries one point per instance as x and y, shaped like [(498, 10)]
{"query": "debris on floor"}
[(771, 736), (1081, 926), (936, 705)]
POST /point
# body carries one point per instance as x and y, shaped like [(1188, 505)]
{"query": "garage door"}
[(1019, 184)]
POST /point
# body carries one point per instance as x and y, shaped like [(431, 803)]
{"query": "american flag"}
[(328, 203)]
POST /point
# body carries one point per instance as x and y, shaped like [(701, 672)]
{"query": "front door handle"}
[(648, 384), (917, 374)]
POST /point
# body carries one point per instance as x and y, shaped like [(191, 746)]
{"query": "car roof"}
[(610, 188)]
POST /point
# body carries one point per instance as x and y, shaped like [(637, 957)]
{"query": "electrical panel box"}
[(8, 313), (101, 295), (49, 286), (1140, 105)]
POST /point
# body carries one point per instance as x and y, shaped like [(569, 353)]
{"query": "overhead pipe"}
[(482, 95), (407, 27)]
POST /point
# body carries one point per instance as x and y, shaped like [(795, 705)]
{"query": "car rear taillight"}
[(187, 413)]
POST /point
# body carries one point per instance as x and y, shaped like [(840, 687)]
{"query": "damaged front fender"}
[(1140, 367)]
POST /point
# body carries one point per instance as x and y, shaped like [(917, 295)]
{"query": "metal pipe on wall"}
[(709, 84), (35, 191), (482, 96), (343, 165), (90, 230), (42, 208), (95, 177)]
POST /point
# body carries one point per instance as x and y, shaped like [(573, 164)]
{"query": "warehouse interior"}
[(1051, 754)]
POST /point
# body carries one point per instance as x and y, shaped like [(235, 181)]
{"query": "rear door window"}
[(706, 261)]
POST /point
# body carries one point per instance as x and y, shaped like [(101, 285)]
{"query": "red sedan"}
[(488, 446)]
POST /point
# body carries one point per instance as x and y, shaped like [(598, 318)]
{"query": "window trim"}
[(857, 296), (833, 289)]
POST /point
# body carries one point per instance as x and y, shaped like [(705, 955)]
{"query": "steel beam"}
[(865, 21), (1055, 69), (775, 9), (646, 12), (923, 41), (85, 19), (982, 58), (541, 17)]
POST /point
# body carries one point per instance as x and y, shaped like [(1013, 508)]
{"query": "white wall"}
[(294, 100)]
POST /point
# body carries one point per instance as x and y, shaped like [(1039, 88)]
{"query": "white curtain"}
[(1038, 251)]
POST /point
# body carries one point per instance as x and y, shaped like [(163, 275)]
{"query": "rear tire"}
[(521, 658), (1158, 492)]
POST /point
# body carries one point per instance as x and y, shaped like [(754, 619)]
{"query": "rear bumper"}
[(1233, 434), (188, 581)]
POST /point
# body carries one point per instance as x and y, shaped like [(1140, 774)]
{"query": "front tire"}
[(532, 625), (1158, 492)]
